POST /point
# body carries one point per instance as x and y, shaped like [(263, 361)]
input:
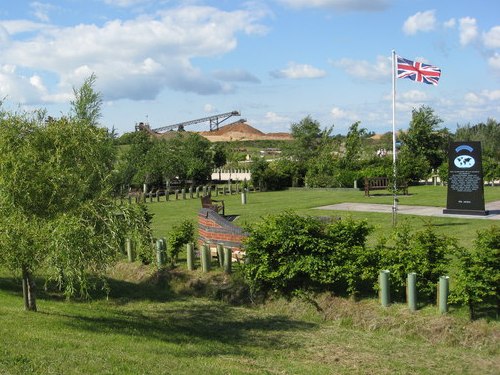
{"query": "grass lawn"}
[(303, 201), (160, 325), (145, 328)]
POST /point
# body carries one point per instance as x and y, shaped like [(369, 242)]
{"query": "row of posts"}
[(224, 255), (192, 193), (411, 291)]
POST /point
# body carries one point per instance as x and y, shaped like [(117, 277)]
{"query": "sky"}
[(274, 61)]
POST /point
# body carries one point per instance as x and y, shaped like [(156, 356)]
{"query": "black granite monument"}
[(465, 180)]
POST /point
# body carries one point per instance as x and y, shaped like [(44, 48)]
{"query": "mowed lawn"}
[(151, 325), (304, 201)]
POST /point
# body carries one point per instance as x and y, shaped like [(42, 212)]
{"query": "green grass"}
[(145, 328), (303, 201), (158, 325)]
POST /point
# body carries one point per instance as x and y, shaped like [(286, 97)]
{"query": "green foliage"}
[(423, 252), (87, 104), (487, 133), (424, 140), (308, 141), (288, 253), (179, 236), (410, 166), (478, 278), (269, 175), (185, 156), (56, 211)]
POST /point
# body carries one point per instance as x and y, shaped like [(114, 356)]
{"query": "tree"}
[(353, 146), (56, 210), (423, 138), (308, 139), (87, 104)]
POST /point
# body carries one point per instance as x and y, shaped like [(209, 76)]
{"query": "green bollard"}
[(243, 197), (220, 254), (205, 258), (176, 194), (191, 192), (190, 256), (385, 292), (197, 191), (411, 291), (228, 260), (183, 192), (443, 294), (160, 253), (130, 250)]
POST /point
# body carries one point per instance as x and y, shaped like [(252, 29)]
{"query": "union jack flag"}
[(417, 71)]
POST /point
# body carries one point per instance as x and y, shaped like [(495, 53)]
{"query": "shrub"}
[(423, 252), (288, 254), (478, 277), (179, 236)]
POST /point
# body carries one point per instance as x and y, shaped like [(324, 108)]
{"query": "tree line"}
[(317, 158)]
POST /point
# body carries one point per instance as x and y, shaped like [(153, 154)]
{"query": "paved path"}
[(493, 207)]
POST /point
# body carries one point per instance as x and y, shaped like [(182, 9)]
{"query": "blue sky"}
[(275, 61)]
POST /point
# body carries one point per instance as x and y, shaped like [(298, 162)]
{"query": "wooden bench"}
[(381, 183), (215, 205)]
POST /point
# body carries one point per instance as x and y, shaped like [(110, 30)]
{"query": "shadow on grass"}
[(199, 328), (156, 289)]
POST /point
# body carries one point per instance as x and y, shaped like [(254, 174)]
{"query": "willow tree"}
[(56, 210)]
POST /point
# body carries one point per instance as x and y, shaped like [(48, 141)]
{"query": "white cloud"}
[(414, 96), (362, 69), (420, 21), (136, 58), (491, 38), (209, 108), (235, 75), (472, 98), (340, 114), (126, 3), (468, 30), (492, 95), (298, 71), (341, 5), (481, 98), (274, 118), (41, 10), (450, 23), (13, 27), (494, 61)]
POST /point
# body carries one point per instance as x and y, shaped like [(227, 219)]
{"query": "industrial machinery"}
[(214, 121)]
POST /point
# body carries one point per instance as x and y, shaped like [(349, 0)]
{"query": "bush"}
[(179, 236), (288, 254), (423, 252), (478, 278)]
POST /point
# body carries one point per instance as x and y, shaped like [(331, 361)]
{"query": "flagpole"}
[(394, 171)]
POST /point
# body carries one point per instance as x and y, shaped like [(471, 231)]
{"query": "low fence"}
[(185, 193)]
